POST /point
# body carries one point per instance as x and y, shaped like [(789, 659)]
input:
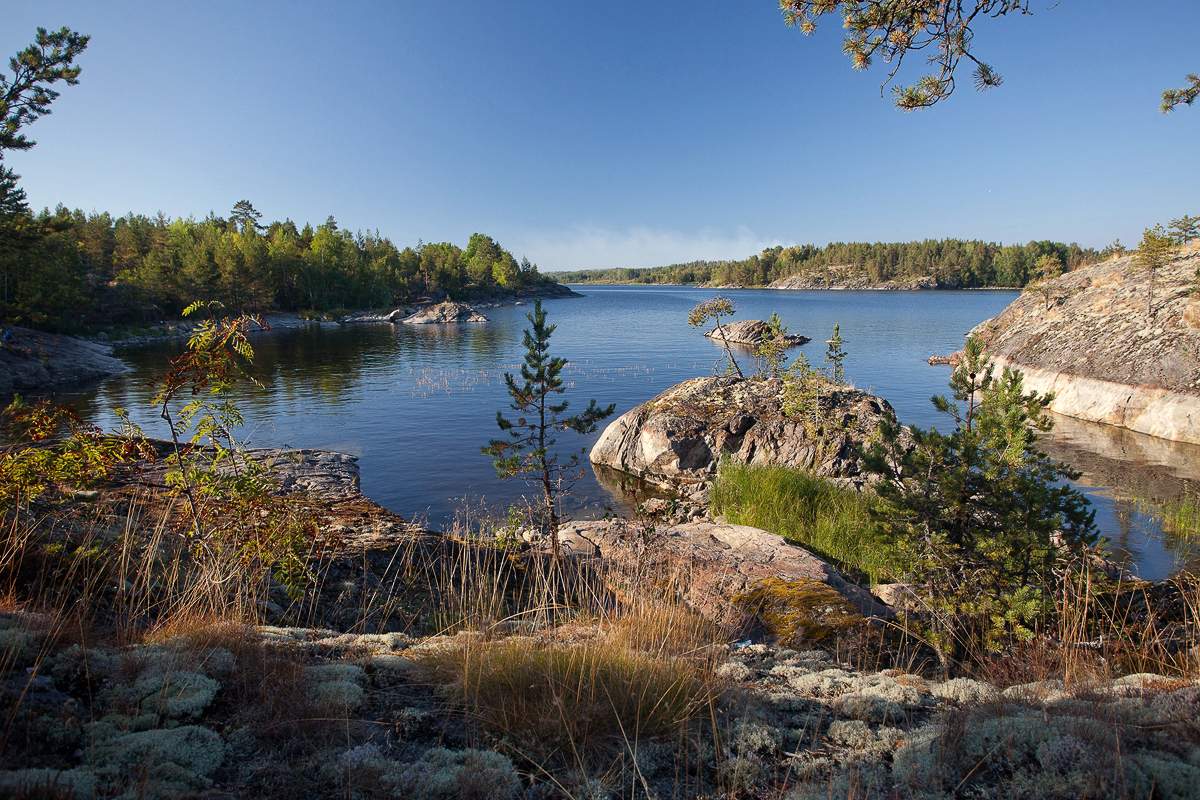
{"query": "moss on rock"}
[(795, 611)]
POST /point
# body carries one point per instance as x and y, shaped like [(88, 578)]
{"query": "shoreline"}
[(815, 289)]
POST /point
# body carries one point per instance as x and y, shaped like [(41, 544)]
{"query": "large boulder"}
[(36, 362), (742, 578), (751, 333), (676, 439), (1092, 339), (445, 313)]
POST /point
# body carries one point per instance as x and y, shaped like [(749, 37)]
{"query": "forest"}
[(67, 270), (955, 263)]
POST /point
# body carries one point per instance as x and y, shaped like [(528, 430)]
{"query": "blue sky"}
[(616, 133)]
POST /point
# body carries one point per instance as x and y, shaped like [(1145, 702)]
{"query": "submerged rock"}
[(444, 313), (36, 361), (751, 332), (1091, 338), (676, 439)]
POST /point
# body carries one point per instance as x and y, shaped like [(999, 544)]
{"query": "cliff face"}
[(1092, 339)]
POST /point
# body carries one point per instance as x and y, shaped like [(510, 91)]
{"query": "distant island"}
[(928, 264)]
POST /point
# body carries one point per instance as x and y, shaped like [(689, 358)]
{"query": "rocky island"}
[(677, 439), (1109, 350), (751, 333)]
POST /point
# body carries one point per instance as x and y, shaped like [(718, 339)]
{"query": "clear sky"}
[(614, 133)]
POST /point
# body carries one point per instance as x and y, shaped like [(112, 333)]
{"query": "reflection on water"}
[(1129, 476), (416, 403)]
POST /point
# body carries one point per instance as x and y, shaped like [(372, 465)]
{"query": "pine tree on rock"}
[(529, 448)]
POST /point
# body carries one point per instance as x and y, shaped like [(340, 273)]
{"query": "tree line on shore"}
[(65, 269), (954, 263)]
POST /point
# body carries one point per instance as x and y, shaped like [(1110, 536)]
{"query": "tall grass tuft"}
[(833, 521)]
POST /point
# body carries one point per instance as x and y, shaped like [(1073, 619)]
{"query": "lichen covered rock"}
[(677, 439)]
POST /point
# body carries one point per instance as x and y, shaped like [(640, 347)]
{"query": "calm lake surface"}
[(416, 403)]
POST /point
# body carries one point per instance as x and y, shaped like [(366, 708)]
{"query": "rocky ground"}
[(35, 361), (345, 694), (278, 712)]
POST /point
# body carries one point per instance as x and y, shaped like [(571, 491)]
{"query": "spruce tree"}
[(529, 448)]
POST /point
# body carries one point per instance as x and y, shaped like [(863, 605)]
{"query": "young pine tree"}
[(528, 450), (714, 309), (771, 351), (985, 517), (835, 356), (1153, 253)]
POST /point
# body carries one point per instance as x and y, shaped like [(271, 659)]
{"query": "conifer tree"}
[(714, 309), (529, 448), (835, 356), (27, 94), (985, 517), (1152, 254)]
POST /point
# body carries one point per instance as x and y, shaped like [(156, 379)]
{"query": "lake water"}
[(416, 403)]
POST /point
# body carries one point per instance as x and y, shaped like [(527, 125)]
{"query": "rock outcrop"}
[(850, 277), (36, 362), (1091, 339), (751, 333), (445, 313), (676, 439), (323, 475), (369, 318), (740, 577)]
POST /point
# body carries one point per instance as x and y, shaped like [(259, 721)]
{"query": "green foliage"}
[(832, 521), (954, 263), (1185, 229), (229, 494), (835, 356), (529, 448), (1047, 268), (986, 517), (802, 390), (1184, 96), (771, 352), (66, 269), (890, 31), (50, 447), (27, 94), (1153, 253), (713, 309)]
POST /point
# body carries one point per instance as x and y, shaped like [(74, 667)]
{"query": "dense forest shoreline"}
[(73, 272), (942, 264)]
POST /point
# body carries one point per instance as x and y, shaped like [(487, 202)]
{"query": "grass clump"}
[(583, 703), (832, 521)]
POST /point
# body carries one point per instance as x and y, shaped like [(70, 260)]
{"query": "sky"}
[(612, 134)]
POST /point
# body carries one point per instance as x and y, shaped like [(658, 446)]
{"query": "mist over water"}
[(416, 403)]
